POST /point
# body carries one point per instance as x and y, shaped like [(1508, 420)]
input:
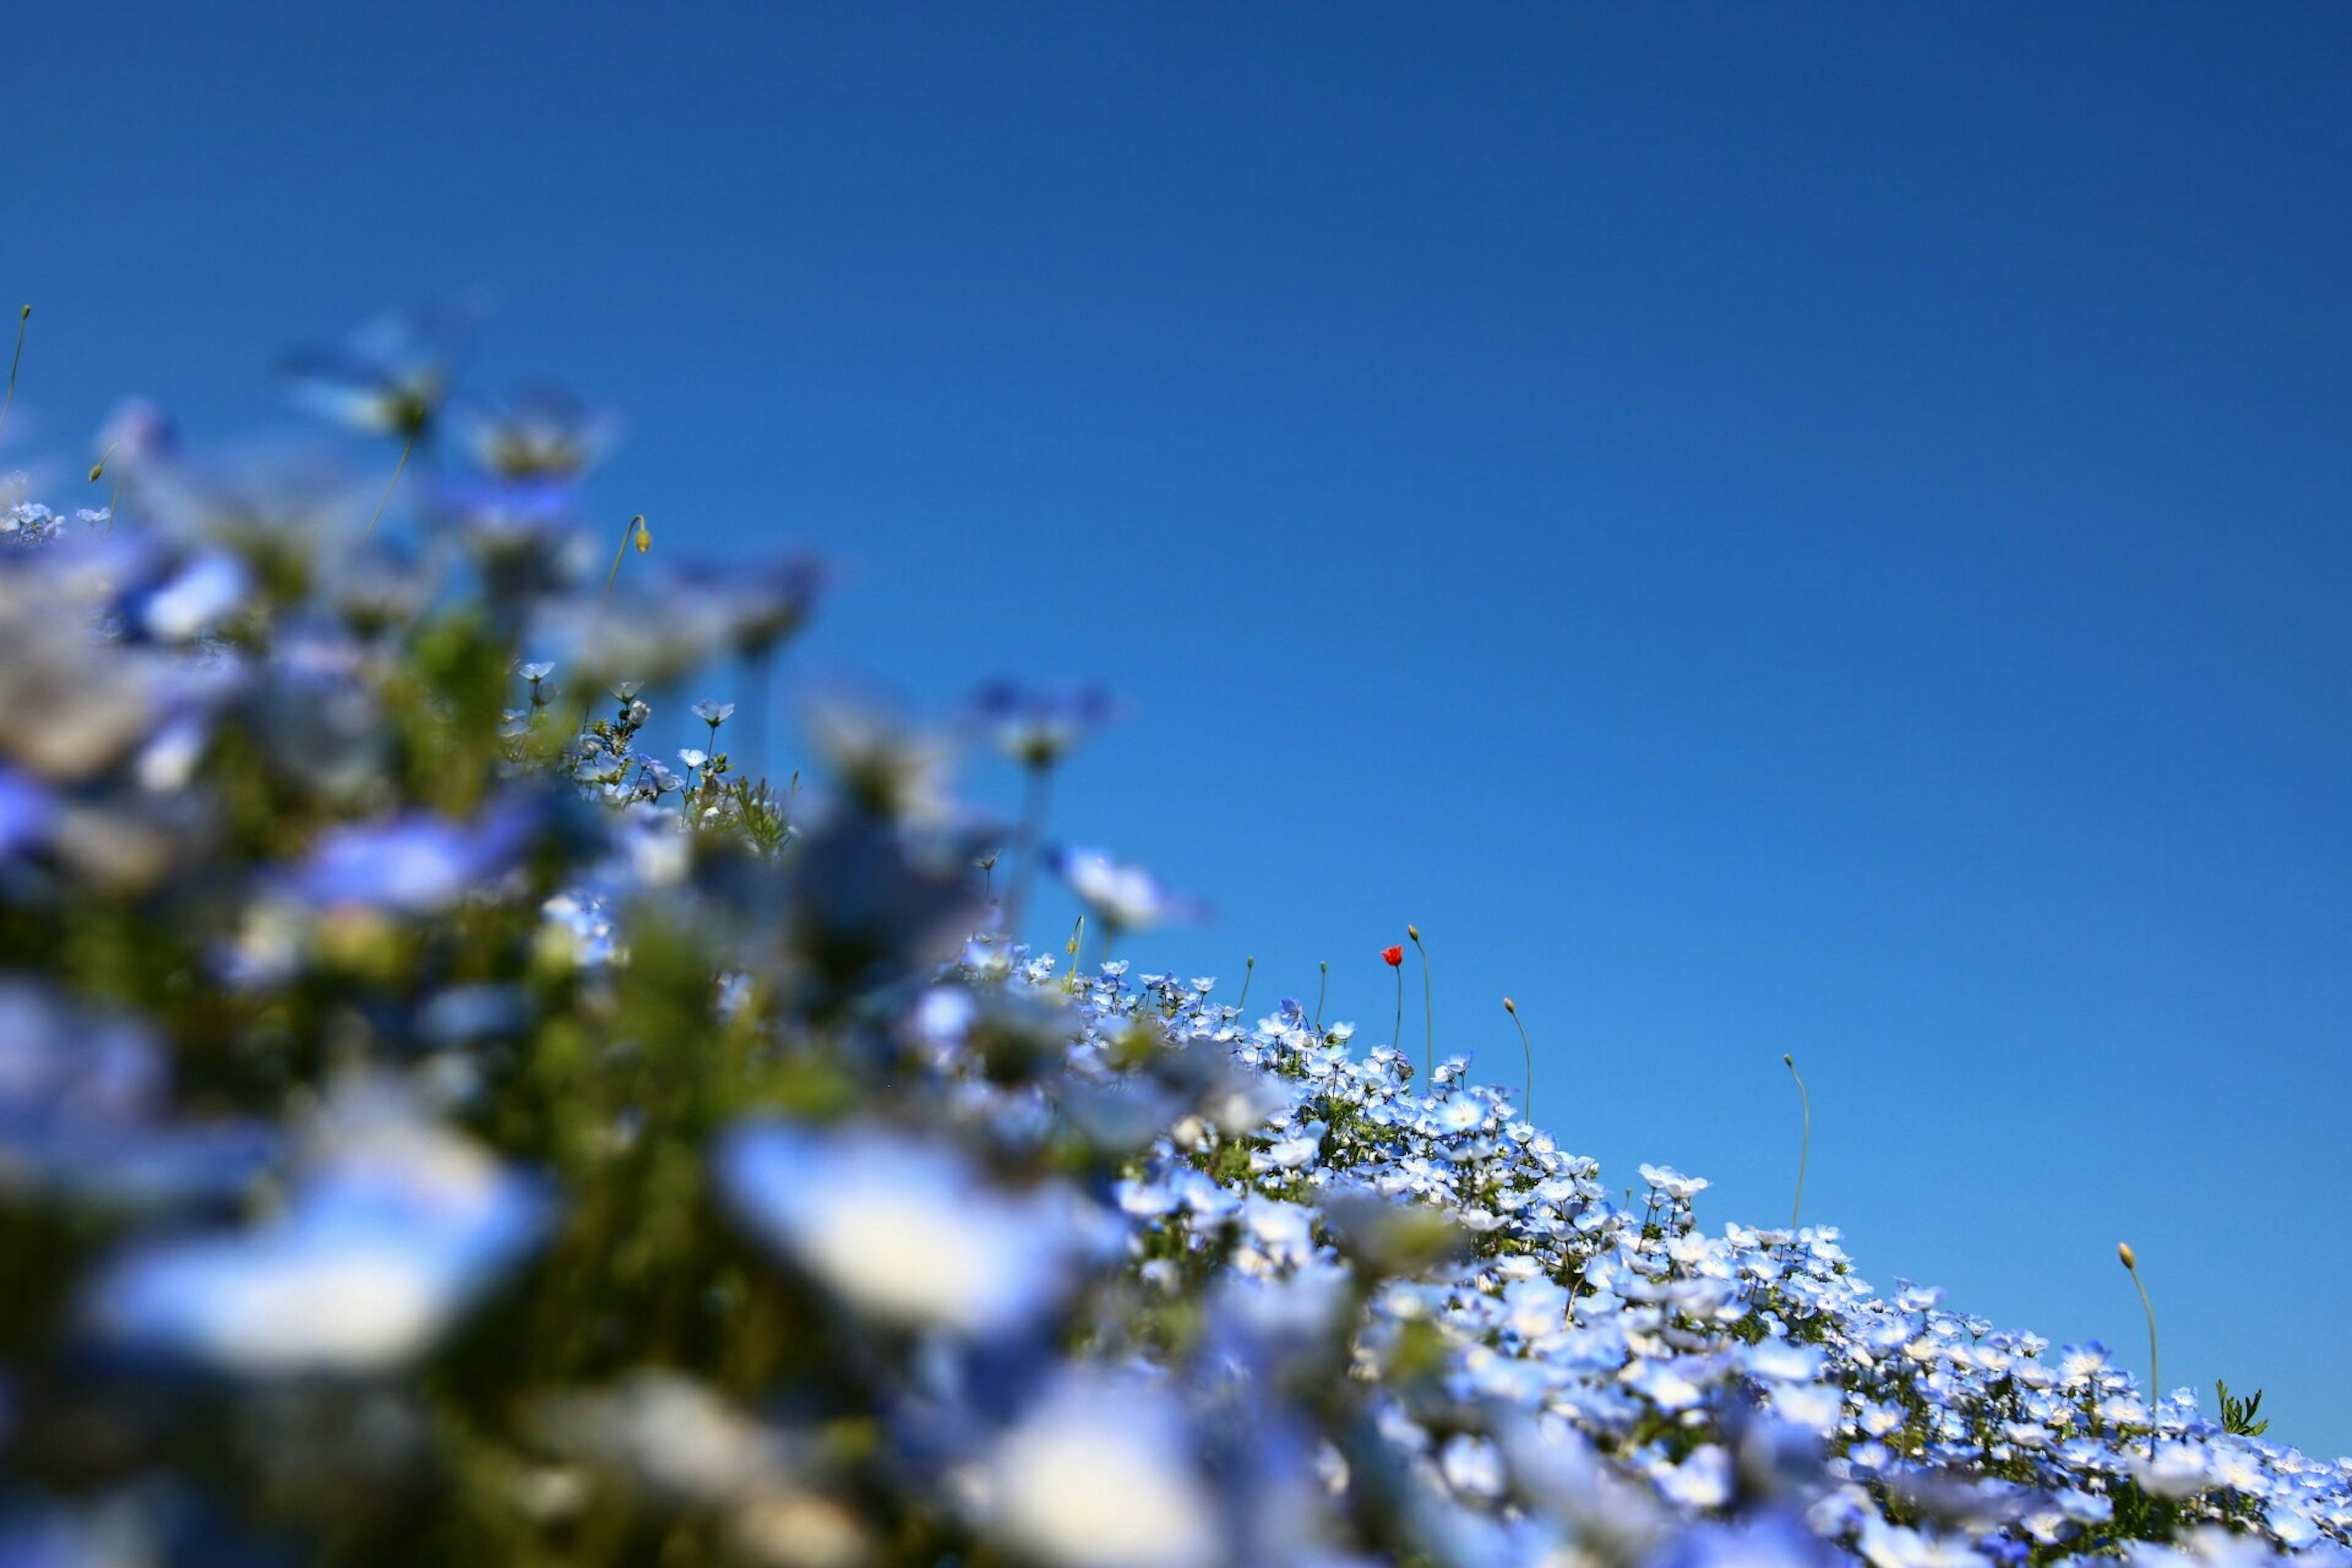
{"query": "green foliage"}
[(2238, 1412)]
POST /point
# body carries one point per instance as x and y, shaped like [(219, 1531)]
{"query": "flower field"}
[(434, 1128)]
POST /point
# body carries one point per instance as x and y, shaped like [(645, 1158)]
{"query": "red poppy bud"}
[(1392, 956)]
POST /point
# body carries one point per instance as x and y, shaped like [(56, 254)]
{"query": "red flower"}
[(1392, 956)]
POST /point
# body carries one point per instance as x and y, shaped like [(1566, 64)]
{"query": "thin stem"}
[(1428, 1001), (1076, 945), (1249, 973), (1322, 989), (1806, 1148), (22, 317), (1397, 1033), (629, 535), (405, 447), (1036, 798), (2154, 1367), (1527, 1050)]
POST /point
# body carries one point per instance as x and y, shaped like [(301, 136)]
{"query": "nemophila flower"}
[(1101, 1471), (389, 378), (418, 864), (668, 1433), (753, 606), (544, 434), (1037, 728), (714, 713), (83, 1112), (905, 1230), (525, 534), (1677, 1186), (28, 812), (137, 431), (390, 1230), (83, 706), (881, 763), (1121, 896)]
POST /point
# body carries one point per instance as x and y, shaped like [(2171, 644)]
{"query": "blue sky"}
[(1813, 530)]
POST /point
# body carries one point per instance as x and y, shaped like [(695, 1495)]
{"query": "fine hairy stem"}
[(23, 316), (398, 468), (1428, 1002), (1804, 1149), (2154, 1367), (1528, 1051), (636, 534), (1397, 1033)]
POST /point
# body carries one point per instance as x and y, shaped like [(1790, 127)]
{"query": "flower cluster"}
[(433, 1128)]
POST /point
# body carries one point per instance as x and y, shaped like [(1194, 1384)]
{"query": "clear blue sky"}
[(1762, 530)]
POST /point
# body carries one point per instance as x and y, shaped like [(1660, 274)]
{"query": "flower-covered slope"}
[(433, 1129)]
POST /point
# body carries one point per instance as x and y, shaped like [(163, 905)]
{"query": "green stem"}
[(1527, 1104), (405, 447), (627, 535), (1428, 1001), (22, 317), (1249, 973), (1322, 989), (2154, 1367), (1805, 1149)]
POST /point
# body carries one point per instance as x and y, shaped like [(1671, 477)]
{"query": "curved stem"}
[(1428, 1001), (2154, 1367), (1322, 989), (627, 534), (23, 316), (398, 468), (1397, 1033), (1528, 1051), (1249, 973)]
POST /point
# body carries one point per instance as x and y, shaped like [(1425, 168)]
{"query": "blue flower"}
[(545, 433), (28, 812), (1102, 1471), (389, 378), (1038, 728), (83, 1113), (1122, 897), (903, 1229), (418, 864), (390, 1233)]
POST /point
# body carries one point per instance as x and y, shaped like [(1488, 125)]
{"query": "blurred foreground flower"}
[(906, 1230), (391, 1229)]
